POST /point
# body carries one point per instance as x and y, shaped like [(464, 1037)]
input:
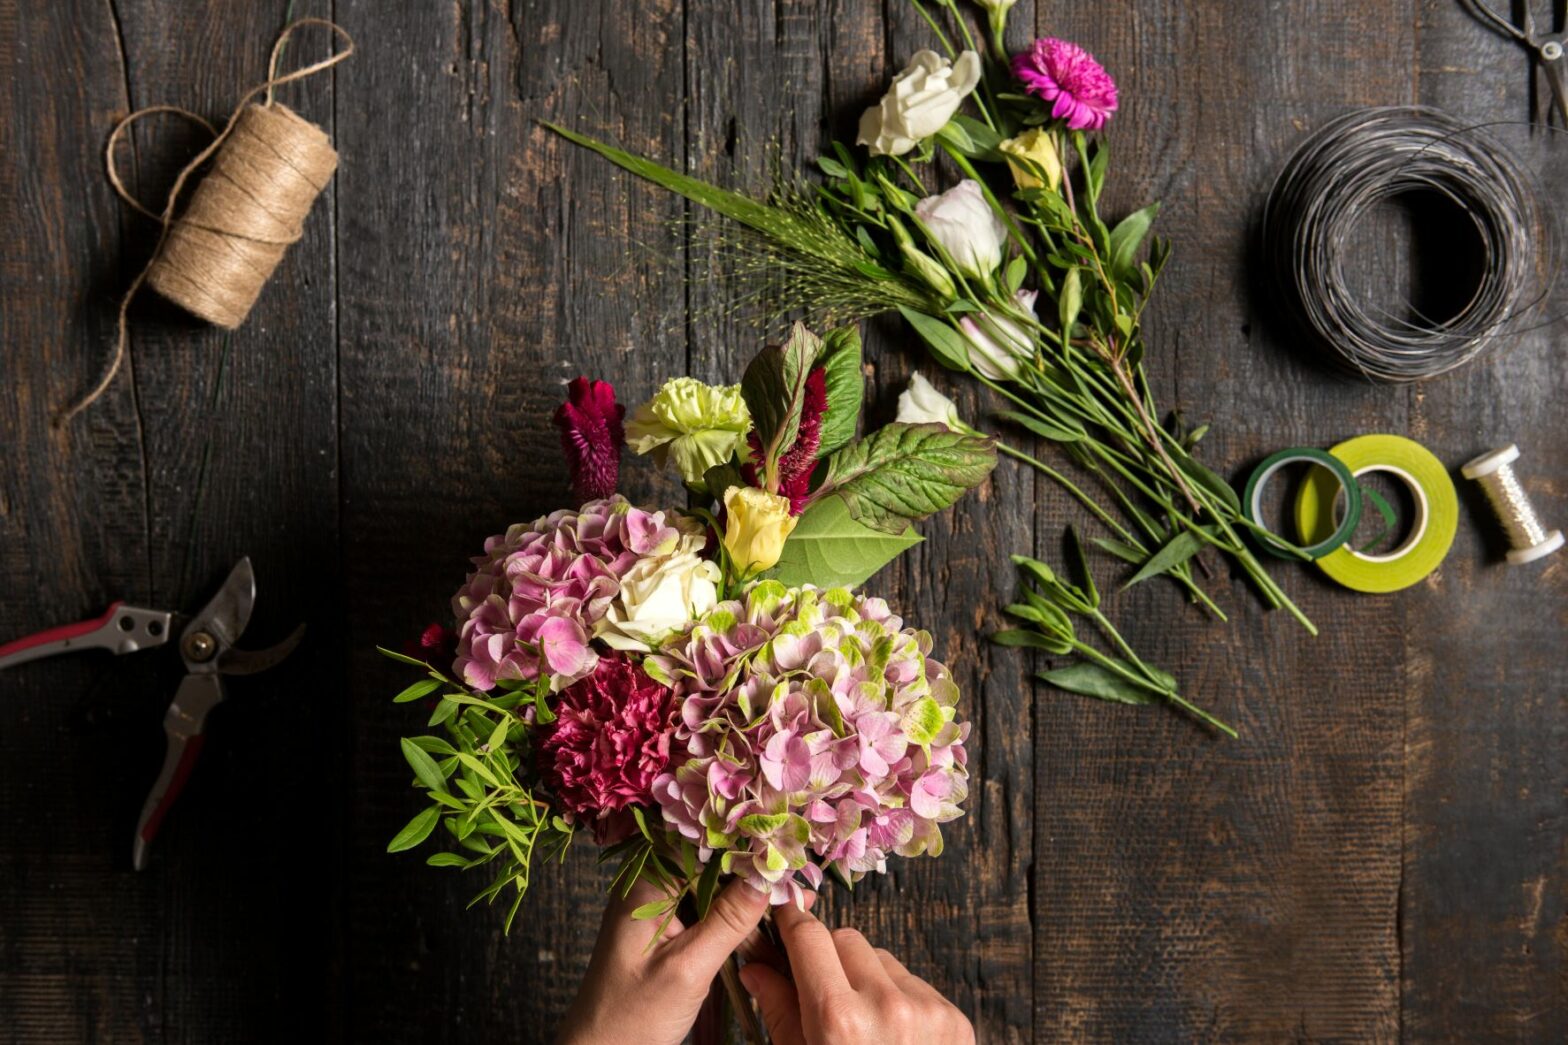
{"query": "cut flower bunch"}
[(1014, 277), (700, 688)]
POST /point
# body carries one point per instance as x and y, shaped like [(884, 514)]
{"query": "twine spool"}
[(244, 214), (1528, 537), (270, 165)]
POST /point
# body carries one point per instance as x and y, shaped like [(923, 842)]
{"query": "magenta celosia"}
[(817, 733), (592, 437), (543, 590), (797, 462), (1082, 92), (609, 740)]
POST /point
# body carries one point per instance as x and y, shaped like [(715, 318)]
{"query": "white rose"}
[(921, 403), (966, 226), (919, 103), (661, 595), (997, 345)]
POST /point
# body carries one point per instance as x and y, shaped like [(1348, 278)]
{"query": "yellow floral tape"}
[(1431, 531)]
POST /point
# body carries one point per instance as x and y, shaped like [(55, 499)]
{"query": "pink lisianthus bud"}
[(611, 737), (592, 437), (1082, 92)]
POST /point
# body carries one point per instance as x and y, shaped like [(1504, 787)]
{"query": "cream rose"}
[(919, 103), (662, 594)]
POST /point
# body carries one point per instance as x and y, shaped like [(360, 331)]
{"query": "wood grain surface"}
[(1381, 855)]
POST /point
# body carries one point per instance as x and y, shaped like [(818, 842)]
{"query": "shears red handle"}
[(121, 629)]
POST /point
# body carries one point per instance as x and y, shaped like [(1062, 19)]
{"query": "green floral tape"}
[(1252, 502), (1431, 532)]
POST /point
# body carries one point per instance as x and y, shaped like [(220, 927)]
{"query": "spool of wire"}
[(1368, 158), (1527, 534)]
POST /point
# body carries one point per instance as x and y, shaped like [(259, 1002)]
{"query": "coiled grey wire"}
[(1368, 156)]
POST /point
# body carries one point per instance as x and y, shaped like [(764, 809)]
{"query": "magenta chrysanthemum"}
[(818, 734), (543, 590), (610, 738), (592, 437), (1083, 93)]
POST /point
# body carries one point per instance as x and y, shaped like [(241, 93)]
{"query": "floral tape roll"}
[(1329, 466), (1431, 532)]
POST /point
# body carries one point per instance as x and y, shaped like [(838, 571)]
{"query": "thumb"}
[(777, 998), (729, 921)]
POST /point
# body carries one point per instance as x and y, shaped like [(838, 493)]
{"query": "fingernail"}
[(748, 980)]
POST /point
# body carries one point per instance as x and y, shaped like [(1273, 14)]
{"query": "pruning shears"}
[(1547, 48), (207, 646)]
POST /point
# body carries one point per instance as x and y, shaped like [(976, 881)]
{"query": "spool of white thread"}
[(1527, 535)]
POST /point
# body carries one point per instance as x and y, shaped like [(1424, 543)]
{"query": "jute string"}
[(270, 166)]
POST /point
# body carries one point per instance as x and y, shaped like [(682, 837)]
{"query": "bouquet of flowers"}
[(1014, 278), (701, 689)]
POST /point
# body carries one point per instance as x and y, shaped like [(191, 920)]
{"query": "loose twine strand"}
[(245, 213)]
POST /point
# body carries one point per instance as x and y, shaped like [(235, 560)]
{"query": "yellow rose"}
[(1039, 148), (758, 524)]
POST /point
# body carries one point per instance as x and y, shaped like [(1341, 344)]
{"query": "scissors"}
[(207, 648), (1546, 47)]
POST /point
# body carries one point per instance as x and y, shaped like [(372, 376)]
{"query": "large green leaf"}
[(1092, 680), (1175, 552), (775, 389), (1127, 237), (947, 345), (832, 550), (903, 473), (840, 362)]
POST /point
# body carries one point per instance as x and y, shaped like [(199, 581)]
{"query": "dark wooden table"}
[(1380, 855)]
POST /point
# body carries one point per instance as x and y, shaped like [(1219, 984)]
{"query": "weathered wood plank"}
[(151, 497), (1486, 687), (485, 264), (1194, 887), (1381, 855)]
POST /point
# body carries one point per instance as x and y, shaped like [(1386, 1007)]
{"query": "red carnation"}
[(592, 437), (610, 738)]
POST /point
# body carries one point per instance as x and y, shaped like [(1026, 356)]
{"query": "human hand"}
[(639, 993), (846, 992)]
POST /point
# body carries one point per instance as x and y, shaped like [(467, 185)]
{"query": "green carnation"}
[(696, 425)]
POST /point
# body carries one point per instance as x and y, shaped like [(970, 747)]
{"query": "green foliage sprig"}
[(472, 777)]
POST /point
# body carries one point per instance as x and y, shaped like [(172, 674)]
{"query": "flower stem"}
[(1171, 695)]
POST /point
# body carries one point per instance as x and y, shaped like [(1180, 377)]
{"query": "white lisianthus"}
[(998, 345), (919, 103), (921, 403), (660, 595), (997, 6), (966, 226)]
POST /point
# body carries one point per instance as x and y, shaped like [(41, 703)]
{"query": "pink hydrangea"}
[(1083, 93), (537, 593), (818, 735), (609, 740)]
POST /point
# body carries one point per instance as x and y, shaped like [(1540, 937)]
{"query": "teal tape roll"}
[(1252, 502)]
